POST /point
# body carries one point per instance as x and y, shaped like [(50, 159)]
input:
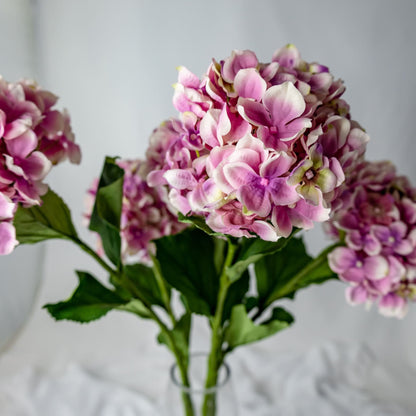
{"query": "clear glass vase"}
[(197, 400)]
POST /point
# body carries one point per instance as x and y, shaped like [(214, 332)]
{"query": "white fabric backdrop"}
[(113, 64)]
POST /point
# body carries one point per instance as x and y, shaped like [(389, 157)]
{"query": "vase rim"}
[(203, 390)]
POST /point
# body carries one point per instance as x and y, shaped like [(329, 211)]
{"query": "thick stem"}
[(216, 354), (163, 289)]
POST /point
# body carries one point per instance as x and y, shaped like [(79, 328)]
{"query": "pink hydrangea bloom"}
[(259, 148), (33, 137), (376, 215), (145, 214)]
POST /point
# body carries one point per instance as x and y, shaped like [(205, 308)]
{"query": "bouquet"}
[(259, 153)]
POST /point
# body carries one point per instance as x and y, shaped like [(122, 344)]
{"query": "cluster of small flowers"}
[(145, 215), (377, 217), (33, 137), (259, 148)]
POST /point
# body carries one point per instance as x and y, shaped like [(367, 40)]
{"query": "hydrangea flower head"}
[(33, 137), (259, 148), (376, 213)]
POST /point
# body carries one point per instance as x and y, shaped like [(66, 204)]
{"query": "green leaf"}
[(91, 300), (242, 330), (252, 250), (105, 217), (187, 264), (143, 279), (180, 334), (52, 219), (282, 273)]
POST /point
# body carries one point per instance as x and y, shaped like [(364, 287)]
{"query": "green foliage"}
[(283, 273), (52, 219), (105, 217), (187, 263), (250, 251), (242, 330), (142, 279), (91, 300)]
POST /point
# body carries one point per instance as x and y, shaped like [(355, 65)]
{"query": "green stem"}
[(85, 247), (163, 289), (187, 401), (189, 408), (216, 354)]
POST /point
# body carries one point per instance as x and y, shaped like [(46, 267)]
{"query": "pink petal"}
[(36, 166), (393, 305), (179, 202), (281, 220), (248, 83), (208, 128), (341, 259), (237, 61), (281, 193), (7, 238), (238, 174), (288, 56), (180, 179), (7, 207), (255, 199), (15, 129), (187, 78), (284, 102), (356, 295), (264, 230), (253, 112), (22, 145), (277, 165), (376, 267)]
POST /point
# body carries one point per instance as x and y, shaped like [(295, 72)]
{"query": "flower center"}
[(264, 181), (309, 174)]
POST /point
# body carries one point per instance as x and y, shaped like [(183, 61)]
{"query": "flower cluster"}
[(33, 137), (145, 214), (259, 148), (377, 217)]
